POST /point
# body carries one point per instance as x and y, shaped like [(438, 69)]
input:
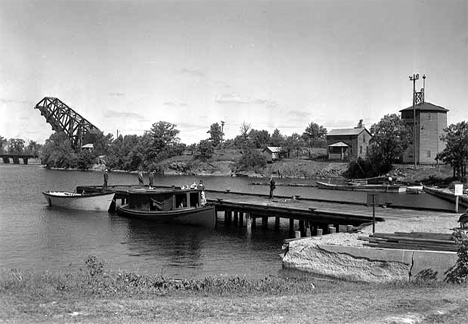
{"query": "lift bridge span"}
[(64, 119)]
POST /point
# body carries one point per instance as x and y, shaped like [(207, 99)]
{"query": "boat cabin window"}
[(194, 199), (181, 200)]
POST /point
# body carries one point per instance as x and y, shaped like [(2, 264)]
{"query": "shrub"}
[(460, 273), (251, 160)]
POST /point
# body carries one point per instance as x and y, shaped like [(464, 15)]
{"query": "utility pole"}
[(222, 133), (413, 78)]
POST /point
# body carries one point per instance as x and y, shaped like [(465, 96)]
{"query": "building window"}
[(429, 153), (429, 116), (360, 149), (364, 138)]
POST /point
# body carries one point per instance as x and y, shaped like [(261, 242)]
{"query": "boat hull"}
[(362, 187), (199, 216), (448, 195), (69, 200)]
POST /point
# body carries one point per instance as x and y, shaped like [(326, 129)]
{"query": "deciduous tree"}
[(391, 137), (216, 134), (15, 146), (456, 150)]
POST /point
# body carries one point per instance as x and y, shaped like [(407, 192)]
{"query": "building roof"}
[(272, 149), (339, 144), (346, 131), (426, 106), (86, 146)]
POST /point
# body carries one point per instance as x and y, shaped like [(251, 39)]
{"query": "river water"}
[(34, 236)]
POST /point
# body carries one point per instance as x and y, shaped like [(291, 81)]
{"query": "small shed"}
[(271, 153)]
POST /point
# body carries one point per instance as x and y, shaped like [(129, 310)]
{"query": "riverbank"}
[(92, 296)]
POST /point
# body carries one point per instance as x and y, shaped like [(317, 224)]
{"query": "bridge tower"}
[(64, 119)]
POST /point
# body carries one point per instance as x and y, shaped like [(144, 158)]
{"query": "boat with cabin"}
[(448, 195), (357, 186), (96, 201), (169, 205)]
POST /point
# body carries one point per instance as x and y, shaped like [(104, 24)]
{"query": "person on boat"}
[(140, 178), (272, 186), (201, 187), (151, 179), (106, 178)]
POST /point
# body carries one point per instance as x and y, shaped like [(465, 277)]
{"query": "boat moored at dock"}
[(447, 194), (169, 205), (356, 186), (80, 201)]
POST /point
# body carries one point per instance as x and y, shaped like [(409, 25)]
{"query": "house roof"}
[(88, 146), (346, 131), (426, 106), (339, 144), (272, 149)]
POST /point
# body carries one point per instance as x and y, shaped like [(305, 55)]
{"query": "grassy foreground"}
[(94, 296)]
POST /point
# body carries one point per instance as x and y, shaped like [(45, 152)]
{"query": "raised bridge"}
[(64, 119)]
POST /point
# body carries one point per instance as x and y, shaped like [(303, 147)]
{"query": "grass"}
[(94, 295)]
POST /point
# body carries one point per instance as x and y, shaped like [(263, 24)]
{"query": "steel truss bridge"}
[(64, 119)]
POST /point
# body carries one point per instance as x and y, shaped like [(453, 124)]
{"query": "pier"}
[(304, 217)]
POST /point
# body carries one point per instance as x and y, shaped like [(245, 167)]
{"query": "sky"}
[(125, 65)]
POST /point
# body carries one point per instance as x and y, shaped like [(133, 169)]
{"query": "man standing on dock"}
[(272, 186), (106, 177), (140, 178), (151, 179)]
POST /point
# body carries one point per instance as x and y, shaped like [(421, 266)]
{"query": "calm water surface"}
[(34, 236)]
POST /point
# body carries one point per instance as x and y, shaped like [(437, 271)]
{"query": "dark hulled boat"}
[(176, 205)]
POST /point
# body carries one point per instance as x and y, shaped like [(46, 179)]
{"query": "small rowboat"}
[(81, 201)]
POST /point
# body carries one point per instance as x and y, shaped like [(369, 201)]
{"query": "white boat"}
[(100, 201), (415, 189)]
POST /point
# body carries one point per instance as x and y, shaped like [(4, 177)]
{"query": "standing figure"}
[(106, 178), (151, 179), (201, 187), (272, 186), (140, 178)]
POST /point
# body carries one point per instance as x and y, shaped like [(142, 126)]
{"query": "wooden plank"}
[(390, 245), (413, 239)]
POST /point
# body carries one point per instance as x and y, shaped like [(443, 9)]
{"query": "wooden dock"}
[(307, 216)]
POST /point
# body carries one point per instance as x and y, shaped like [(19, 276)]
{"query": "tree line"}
[(160, 142), (391, 137)]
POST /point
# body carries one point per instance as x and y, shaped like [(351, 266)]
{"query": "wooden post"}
[(248, 221), (241, 219), (301, 226), (254, 221), (265, 222), (291, 225), (236, 218), (277, 223)]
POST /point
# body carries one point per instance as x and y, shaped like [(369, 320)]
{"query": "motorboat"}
[(169, 205), (96, 201)]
